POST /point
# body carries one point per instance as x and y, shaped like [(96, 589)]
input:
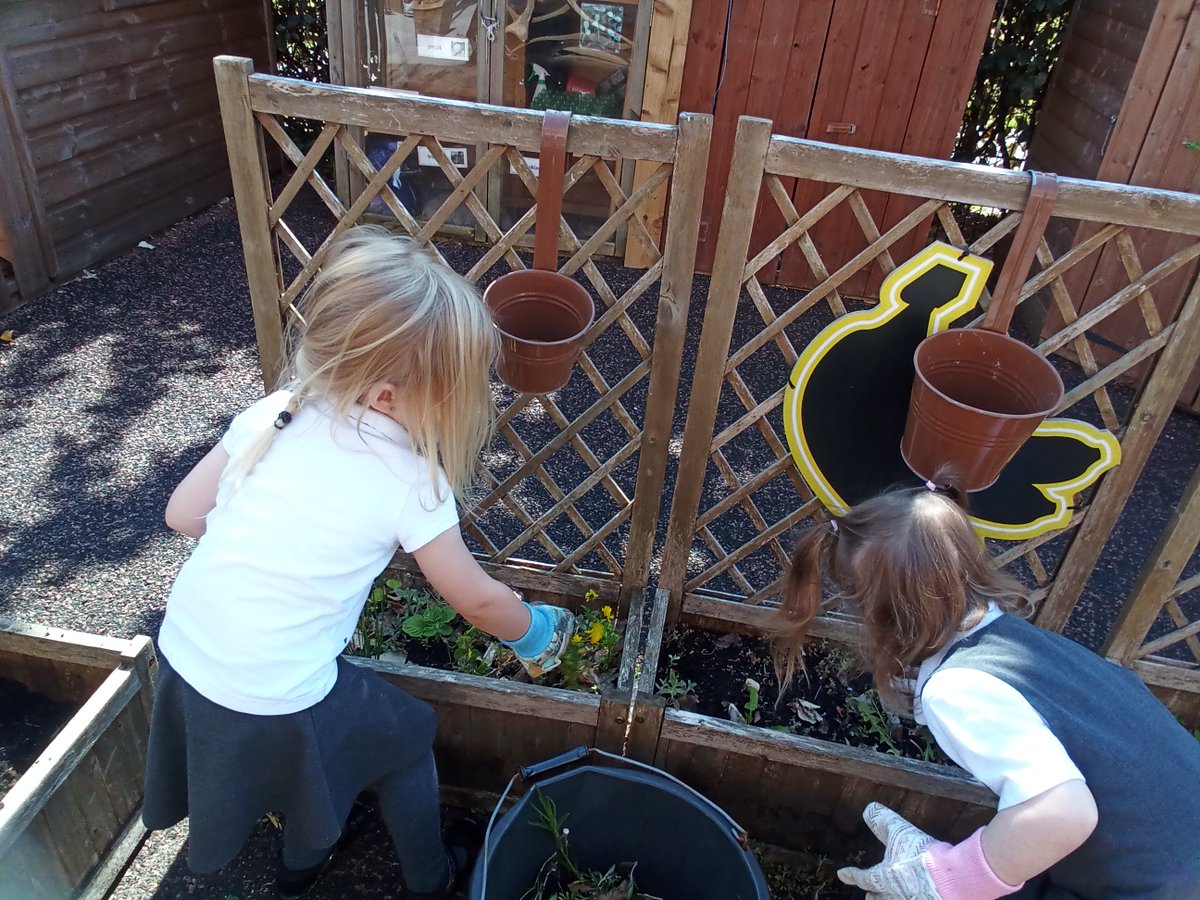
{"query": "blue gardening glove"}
[(540, 649)]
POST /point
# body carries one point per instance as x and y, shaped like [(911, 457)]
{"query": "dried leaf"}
[(7, 336), (806, 712), (735, 714), (145, 245), (728, 640)]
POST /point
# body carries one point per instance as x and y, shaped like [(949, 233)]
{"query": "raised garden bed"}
[(489, 724), (71, 819), (800, 791)]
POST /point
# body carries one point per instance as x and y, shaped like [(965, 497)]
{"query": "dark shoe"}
[(463, 840), (298, 882)]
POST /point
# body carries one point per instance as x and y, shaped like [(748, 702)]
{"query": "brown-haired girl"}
[(1096, 781), (303, 502)]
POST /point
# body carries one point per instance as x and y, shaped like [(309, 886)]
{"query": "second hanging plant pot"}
[(978, 394), (542, 316)]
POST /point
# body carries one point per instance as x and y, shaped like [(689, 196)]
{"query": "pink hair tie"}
[(933, 487)]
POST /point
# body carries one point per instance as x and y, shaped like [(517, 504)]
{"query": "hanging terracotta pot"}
[(542, 315), (979, 394)]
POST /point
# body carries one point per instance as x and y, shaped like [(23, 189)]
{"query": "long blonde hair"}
[(383, 309), (909, 563)]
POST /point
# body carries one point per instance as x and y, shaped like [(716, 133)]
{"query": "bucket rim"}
[(1047, 366), (559, 343)]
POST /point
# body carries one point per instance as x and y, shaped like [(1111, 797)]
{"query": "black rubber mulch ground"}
[(115, 384)]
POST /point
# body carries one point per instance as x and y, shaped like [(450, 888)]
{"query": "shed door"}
[(860, 73)]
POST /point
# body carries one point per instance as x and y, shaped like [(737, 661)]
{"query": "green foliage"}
[(561, 878), (879, 725), (433, 621), (1010, 82), (595, 648), (374, 634), (301, 51), (301, 39), (476, 652), (675, 688)]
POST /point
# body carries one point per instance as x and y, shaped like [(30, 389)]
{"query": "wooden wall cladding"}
[(874, 74), (114, 117), (1123, 102)]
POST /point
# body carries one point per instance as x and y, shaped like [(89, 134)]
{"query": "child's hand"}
[(541, 648), (902, 874), (918, 867)]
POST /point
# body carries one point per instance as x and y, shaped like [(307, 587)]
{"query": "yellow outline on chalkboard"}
[(890, 305), (1060, 493)]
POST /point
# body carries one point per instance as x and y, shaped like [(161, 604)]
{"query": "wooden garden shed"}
[(1124, 106), (109, 128), (873, 74)]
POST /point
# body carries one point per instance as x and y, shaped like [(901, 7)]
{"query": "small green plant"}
[(375, 633), (433, 621), (675, 688), (753, 699), (876, 722), (595, 648), (476, 653), (561, 877), (1196, 733)]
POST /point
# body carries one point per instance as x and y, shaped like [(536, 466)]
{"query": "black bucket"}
[(685, 847)]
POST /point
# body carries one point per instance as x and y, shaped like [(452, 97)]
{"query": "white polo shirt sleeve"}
[(426, 512), (987, 727)]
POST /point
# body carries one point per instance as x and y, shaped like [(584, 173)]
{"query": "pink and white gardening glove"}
[(918, 867)]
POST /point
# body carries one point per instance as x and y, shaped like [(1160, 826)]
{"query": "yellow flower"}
[(590, 595), (595, 633), (607, 612), (576, 639)]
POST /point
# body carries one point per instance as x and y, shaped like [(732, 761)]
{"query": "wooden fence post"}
[(1156, 584), (252, 194), (1145, 424), (665, 56), (670, 333), (741, 201)]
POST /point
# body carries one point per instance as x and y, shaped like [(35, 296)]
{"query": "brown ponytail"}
[(800, 602)]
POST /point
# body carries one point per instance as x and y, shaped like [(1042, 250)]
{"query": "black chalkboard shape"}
[(847, 400)]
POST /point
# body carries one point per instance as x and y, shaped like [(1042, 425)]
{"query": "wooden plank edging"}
[(30, 639), (31, 792), (534, 700), (810, 753)]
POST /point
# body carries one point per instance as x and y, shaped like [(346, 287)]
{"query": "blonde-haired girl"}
[(1095, 779), (303, 502)]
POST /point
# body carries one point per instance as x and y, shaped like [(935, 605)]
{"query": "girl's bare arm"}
[(1025, 840), (196, 495), (477, 597)]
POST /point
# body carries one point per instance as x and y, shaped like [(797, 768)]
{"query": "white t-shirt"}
[(987, 727), (273, 590)]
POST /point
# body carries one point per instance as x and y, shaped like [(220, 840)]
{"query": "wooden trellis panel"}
[(1168, 596), (738, 494), (572, 486)]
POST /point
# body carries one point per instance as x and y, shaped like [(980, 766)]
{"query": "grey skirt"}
[(224, 770)]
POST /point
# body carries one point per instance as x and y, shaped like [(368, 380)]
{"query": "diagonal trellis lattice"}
[(739, 495), (1161, 619), (558, 484)]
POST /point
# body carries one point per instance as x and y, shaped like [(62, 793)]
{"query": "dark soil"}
[(367, 868), (830, 700), (28, 723)]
